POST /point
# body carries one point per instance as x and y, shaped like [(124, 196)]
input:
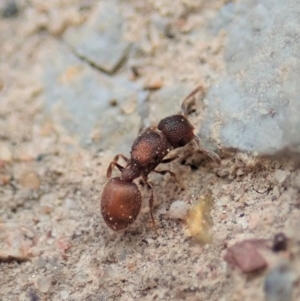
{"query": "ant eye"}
[(181, 142)]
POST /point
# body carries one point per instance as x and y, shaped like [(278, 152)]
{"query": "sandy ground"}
[(50, 185)]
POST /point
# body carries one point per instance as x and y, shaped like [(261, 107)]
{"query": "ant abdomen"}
[(177, 129), (120, 203)]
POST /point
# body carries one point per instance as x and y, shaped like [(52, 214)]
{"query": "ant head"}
[(177, 129), (120, 203)]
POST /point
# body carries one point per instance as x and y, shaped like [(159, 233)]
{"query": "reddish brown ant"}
[(121, 199)]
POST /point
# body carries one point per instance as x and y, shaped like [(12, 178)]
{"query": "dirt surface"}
[(54, 244)]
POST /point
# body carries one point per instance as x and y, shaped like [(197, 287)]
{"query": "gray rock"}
[(89, 104), (99, 40), (44, 283), (256, 106), (9, 9), (279, 283)]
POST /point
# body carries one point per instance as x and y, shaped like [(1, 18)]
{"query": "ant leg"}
[(172, 174), (115, 163), (151, 202), (207, 152), (168, 160), (116, 158), (185, 105), (111, 166)]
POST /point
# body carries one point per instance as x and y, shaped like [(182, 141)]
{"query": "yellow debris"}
[(199, 220)]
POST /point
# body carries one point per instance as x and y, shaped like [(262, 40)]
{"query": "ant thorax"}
[(149, 149)]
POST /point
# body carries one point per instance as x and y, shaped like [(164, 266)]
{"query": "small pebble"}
[(5, 153), (178, 210), (296, 181), (30, 180), (44, 283), (253, 220), (4, 179), (153, 84), (10, 10), (276, 192), (129, 106), (32, 295), (41, 262), (14, 242), (69, 204), (64, 295), (224, 200), (280, 175), (245, 256), (278, 285), (81, 278)]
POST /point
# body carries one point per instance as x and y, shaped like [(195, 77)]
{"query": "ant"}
[(121, 199)]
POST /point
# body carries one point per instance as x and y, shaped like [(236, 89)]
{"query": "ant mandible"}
[(121, 199)]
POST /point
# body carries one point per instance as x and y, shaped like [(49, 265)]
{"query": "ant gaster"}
[(121, 199)]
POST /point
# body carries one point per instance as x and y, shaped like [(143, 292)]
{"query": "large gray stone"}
[(90, 105), (256, 106), (99, 41)]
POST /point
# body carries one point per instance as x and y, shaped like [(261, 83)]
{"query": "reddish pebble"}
[(246, 257)]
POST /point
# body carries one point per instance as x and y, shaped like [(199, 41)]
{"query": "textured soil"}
[(54, 244)]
